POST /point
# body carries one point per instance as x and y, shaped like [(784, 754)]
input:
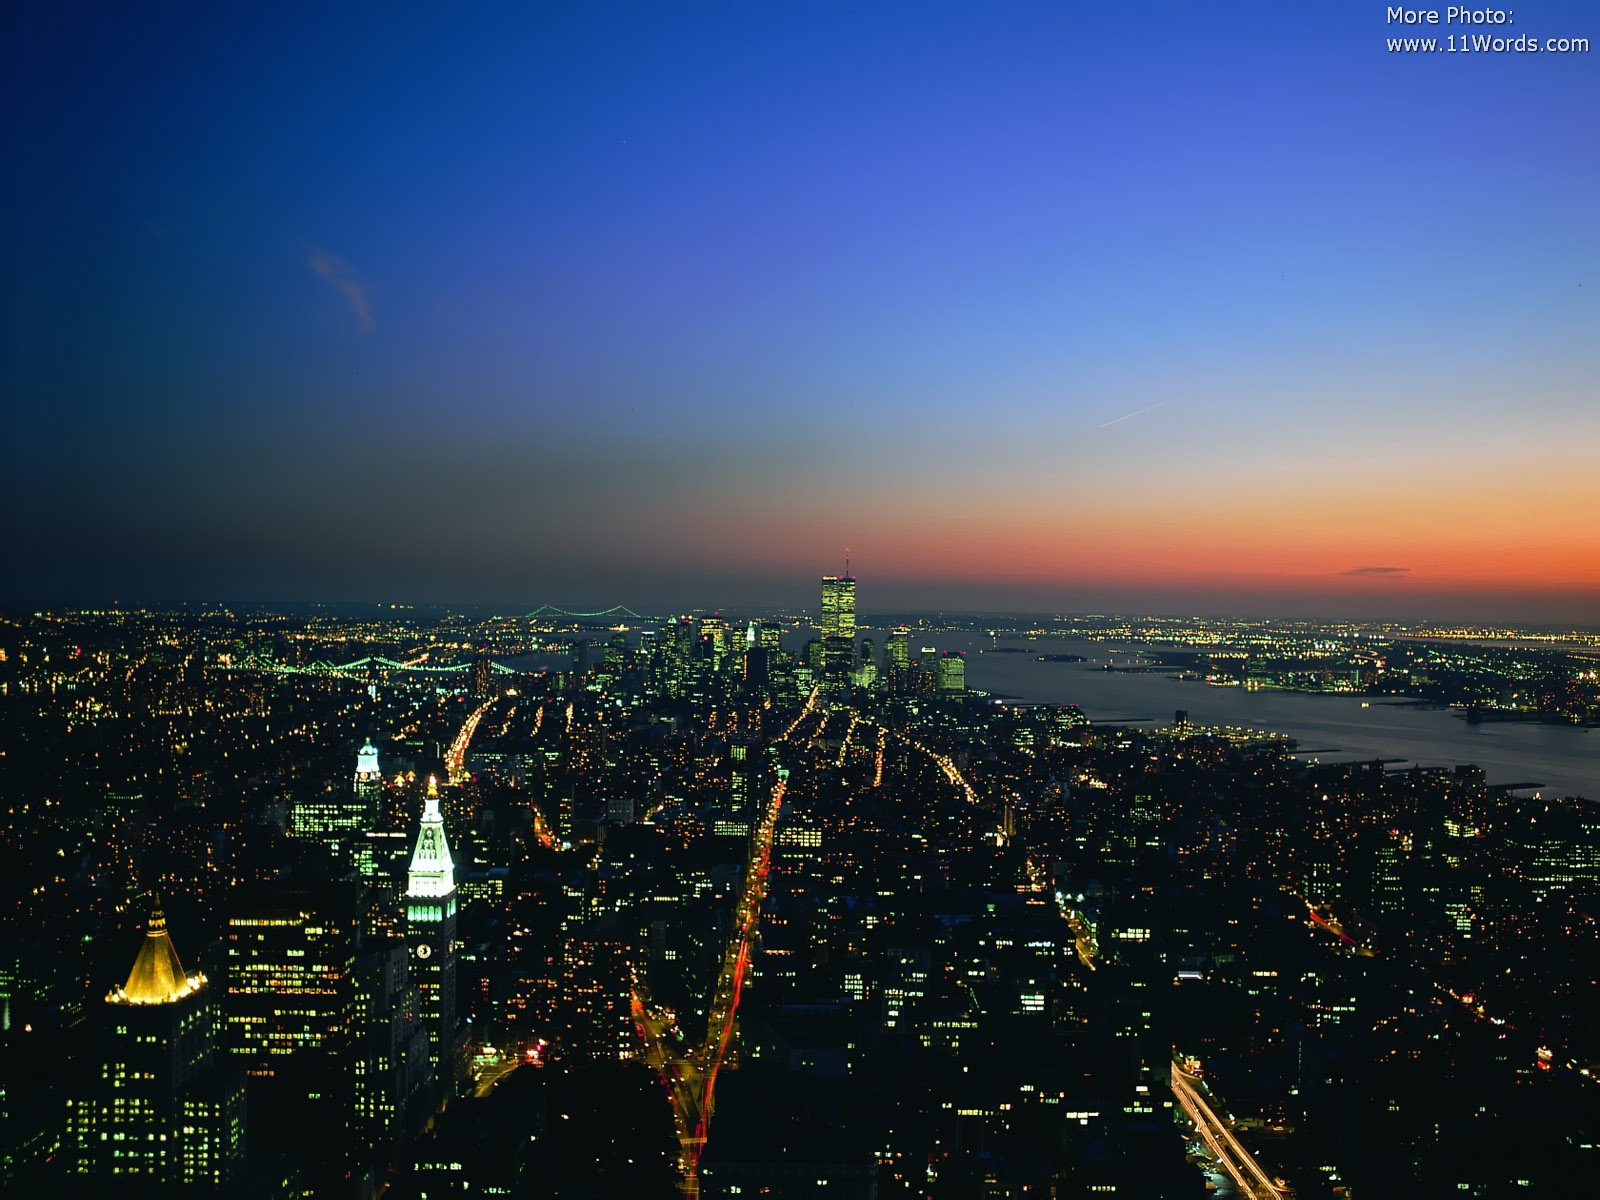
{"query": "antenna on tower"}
[(847, 562)]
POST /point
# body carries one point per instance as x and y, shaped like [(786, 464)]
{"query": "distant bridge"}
[(357, 666), (616, 610)]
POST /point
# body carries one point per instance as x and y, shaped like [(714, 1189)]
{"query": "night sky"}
[(1184, 306)]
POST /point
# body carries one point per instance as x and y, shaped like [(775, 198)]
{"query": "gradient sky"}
[(669, 303)]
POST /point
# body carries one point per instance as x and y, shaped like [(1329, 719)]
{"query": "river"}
[(1564, 760)]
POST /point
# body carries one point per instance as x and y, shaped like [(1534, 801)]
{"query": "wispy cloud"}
[(347, 281), (1130, 416), (1377, 571)]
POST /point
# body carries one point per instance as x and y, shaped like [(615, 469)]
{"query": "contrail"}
[(1130, 416)]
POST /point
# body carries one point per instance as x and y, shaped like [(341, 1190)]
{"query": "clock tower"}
[(431, 937)]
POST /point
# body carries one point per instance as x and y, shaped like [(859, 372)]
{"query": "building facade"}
[(163, 1115), (340, 819), (431, 906), (838, 630)]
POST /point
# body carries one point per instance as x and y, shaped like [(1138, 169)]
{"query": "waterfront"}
[(1332, 728)]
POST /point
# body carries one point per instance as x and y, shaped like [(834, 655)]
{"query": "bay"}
[(1563, 760)]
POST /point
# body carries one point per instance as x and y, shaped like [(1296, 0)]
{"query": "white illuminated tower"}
[(368, 784), (431, 937)]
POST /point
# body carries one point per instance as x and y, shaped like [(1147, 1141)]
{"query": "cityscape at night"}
[(433, 902), (868, 602)]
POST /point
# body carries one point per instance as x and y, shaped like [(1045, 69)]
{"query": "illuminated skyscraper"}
[(743, 767), (897, 649), (952, 673), (677, 643), (339, 819), (162, 1117), (392, 1073), (897, 659), (293, 1012), (865, 672), (431, 935), (368, 784), (714, 639), (615, 661), (838, 630)]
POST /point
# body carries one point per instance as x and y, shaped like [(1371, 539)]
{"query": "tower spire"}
[(431, 934), (433, 871), (157, 976)]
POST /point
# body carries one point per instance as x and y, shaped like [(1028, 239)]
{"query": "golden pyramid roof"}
[(157, 976)]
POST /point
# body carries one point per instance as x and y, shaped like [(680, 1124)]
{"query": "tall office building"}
[(838, 630), (714, 639), (897, 659), (162, 1117), (392, 1072), (340, 819), (737, 817), (431, 936), (952, 673), (676, 645), (897, 649), (293, 1013), (757, 673), (615, 661)]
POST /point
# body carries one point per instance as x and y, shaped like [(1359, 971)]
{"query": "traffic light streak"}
[(692, 1105), (1246, 1173)]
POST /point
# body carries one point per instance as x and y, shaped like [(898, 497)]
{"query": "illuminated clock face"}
[(424, 950)]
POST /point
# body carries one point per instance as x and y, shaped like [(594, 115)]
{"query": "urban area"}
[(360, 902)]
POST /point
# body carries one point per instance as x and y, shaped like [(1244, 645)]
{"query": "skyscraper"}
[(952, 673), (293, 1013), (431, 936), (162, 1117), (838, 630), (743, 768), (897, 649), (714, 639), (392, 1072), (368, 784), (340, 819), (897, 659)]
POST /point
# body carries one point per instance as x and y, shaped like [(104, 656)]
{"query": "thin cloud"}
[(1130, 416), (347, 281), (1377, 571)]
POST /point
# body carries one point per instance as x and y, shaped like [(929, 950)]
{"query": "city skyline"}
[(1208, 309), (706, 907)]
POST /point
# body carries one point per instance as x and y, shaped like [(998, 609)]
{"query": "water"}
[(1563, 759), (553, 660)]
